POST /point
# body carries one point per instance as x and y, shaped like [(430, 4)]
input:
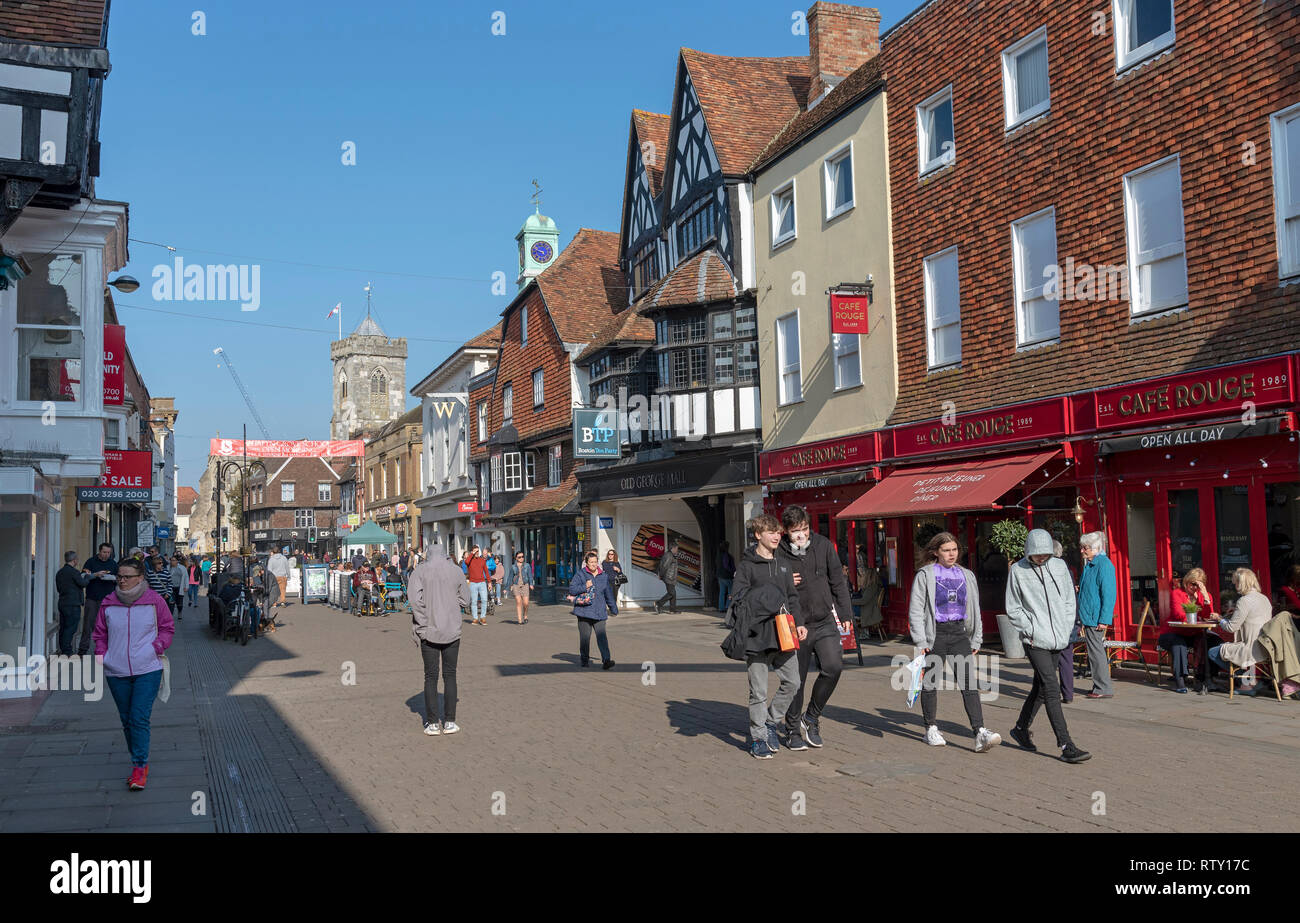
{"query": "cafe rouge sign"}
[(1020, 423), (820, 456), (1226, 390)]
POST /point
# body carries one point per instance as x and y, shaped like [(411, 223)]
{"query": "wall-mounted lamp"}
[(125, 284)]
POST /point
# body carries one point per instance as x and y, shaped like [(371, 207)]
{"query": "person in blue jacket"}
[(1097, 609), (592, 611)]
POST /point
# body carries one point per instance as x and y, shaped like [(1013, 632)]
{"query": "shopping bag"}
[(165, 690), (785, 631), (915, 670), (848, 638)]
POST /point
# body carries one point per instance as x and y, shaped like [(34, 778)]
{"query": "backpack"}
[(733, 646)]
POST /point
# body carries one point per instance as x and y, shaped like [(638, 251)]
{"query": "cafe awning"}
[(968, 485)]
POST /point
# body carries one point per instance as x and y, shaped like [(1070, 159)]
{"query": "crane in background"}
[(257, 418)]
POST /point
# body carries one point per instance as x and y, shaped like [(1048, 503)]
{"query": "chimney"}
[(841, 38)]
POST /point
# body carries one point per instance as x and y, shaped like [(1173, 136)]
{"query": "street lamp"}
[(125, 284)]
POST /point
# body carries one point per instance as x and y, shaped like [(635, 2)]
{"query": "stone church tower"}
[(369, 380)]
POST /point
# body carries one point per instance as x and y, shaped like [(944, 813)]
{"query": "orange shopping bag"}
[(785, 633)]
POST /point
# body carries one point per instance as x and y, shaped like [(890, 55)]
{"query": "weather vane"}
[(537, 197)]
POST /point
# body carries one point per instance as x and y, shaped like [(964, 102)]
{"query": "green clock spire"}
[(539, 241)]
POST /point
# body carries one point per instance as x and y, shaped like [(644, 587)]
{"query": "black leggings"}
[(585, 627), (830, 657), (951, 640), (1045, 691), (447, 653)]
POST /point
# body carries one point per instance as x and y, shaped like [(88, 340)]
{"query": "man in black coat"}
[(763, 585), (70, 584), (101, 576), (819, 575)]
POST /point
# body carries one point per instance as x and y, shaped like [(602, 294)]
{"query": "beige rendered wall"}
[(845, 248)]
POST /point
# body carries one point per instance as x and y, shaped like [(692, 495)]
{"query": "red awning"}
[(970, 485)]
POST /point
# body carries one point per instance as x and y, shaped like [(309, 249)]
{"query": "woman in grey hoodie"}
[(944, 616), (1041, 604)]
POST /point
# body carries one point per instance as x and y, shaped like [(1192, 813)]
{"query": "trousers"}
[(830, 660), (444, 655), (1045, 691), (478, 600), (786, 666), (134, 696), (585, 628), (951, 645), (69, 622), (1097, 662)]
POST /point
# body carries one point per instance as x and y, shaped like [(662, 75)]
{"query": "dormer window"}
[(644, 269), (695, 228)]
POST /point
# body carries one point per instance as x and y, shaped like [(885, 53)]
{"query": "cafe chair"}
[(1115, 648), (1263, 669), (1079, 656)]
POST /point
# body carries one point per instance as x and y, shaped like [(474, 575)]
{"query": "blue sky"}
[(228, 146)]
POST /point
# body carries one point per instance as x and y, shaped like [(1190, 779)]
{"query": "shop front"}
[(447, 521)]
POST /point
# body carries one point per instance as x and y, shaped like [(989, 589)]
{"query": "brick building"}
[(392, 477), (297, 498), (1096, 250)]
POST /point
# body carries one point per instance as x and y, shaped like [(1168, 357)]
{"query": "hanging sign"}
[(467, 506), (127, 478), (287, 448), (114, 363), (850, 314)]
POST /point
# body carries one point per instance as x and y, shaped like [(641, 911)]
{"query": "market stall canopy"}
[(370, 534), (969, 485)]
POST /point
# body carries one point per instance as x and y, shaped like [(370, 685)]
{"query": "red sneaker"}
[(139, 776)]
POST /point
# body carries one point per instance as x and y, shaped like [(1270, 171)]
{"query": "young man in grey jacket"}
[(1041, 606), (437, 592)]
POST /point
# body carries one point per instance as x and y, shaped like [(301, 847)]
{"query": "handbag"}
[(785, 631), (584, 599), (848, 638), (620, 579)]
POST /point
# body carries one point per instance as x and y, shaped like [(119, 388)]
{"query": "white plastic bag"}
[(915, 670), (165, 690)]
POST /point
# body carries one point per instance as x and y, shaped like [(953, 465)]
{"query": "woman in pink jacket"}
[(133, 628)]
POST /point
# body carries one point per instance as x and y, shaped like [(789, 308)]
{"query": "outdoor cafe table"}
[(1202, 630)]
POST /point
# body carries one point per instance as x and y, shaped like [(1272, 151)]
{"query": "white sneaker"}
[(433, 729), (986, 740), (451, 727), (934, 738)]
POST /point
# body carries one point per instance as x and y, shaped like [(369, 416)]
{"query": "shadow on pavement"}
[(727, 721)]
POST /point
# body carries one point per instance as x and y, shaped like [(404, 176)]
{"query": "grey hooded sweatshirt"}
[(437, 590), (1040, 598)]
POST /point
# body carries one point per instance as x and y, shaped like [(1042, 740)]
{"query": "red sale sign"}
[(850, 314), (114, 363), (127, 469)]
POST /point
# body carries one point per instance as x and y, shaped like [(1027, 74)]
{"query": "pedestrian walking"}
[(592, 597), (667, 572), (101, 574), (613, 569), (132, 629), (179, 581), (1065, 663), (278, 567), (823, 596), (159, 576), (1096, 609), (521, 586), (1041, 607), (438, 592), (475, 567), (944, 617), (726, 575), (194, 573), (70, 583), (206, 567), (764, 586)]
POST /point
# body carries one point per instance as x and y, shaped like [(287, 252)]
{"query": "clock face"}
[(541, 251)]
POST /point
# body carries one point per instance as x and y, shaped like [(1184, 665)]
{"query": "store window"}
[(991, 568), (1140, 514), (50, 339), (15, 579), (1232, 525), (1282, 508), (1184, 533)]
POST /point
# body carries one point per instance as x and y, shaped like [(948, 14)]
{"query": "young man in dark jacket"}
[(71, 584), (101, 573), (763, 584), (819, 576)]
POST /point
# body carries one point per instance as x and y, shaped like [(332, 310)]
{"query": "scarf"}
[(130, 596)]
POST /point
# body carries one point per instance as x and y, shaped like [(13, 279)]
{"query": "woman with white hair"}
[(1096, 608), (1249, 616)]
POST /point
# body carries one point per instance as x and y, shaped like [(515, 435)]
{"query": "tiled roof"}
[(54, 22), (652, 128), (547, 499), (746, 101), (865, 80), (627, 327), (414, 415), (488, 339), (584, 285), (186, 497), (703, 279)]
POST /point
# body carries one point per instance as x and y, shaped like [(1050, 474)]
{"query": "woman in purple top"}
[(944, 616)]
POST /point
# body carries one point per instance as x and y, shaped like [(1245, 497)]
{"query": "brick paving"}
[(548, 746)]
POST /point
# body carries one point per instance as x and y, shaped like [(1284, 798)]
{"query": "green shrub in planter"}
[(1009, 537)]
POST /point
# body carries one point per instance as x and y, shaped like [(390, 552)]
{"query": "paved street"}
[(275, 740)]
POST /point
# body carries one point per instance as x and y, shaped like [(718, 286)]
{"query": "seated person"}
[(235, 588), (1249, 616), (1289, 594), (1177, 643)]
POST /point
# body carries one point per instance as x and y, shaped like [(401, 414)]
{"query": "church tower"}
[(369, 379), (539, 241)]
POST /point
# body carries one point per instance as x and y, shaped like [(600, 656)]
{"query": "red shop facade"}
[(1197, 469)]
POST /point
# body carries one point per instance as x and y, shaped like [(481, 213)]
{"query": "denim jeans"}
[(786, 665), (194, 594), (134, 696), (585, 627), (477, 595), (724, 593)]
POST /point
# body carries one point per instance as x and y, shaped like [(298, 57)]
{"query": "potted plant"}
[(1008, 537)]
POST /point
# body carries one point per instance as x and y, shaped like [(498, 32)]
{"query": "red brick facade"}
[(1207, 99), (840, 39), (267, 511)]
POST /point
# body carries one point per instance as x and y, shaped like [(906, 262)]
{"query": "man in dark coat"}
[(70, 584), (101, 574), (819, 575), (667, 571), (763, 586)]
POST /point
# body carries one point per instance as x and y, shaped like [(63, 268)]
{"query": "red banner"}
[(1211, 392), (467, 506), (1004, 426), (850, 314), (129, 468), (114, 363), (819, 456), (287, 448)]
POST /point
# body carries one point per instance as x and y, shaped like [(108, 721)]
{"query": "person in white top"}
[(278, 567)]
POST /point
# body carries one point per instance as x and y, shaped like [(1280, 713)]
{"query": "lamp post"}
[(244, 468)]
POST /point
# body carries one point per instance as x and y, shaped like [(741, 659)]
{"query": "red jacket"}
[(478, 572), (1178, 596)]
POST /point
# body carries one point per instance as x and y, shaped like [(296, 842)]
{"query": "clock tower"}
[(539, 241)]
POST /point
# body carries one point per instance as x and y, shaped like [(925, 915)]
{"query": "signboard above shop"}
[(1038, 420), (828, 455), (1221, 391), (127, 478), (850, 313), (1190, 436), (596, 434)]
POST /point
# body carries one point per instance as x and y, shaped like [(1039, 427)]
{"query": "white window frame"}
[(1023, 292), (482, 421), (84, 401), (1137, 261), (828, 181), (554, 466), (949, 156), (508, 403), (945, 362), (1014, 117), (512, 469), (523, 326), (784, 367), (383, 477), (397, 477), (304, 518), (539, 388), (1288, 263), (496, 473), (839, 350), (530, 470), (1126, 57), (779, 192), (324, 490), (286, 491)]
